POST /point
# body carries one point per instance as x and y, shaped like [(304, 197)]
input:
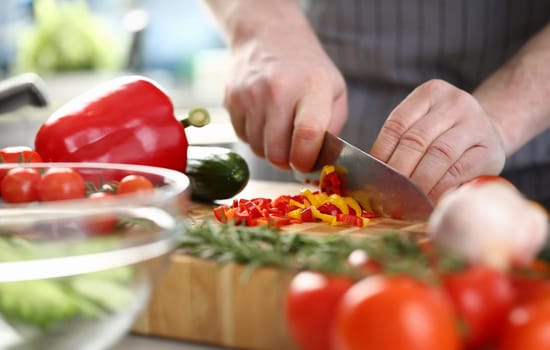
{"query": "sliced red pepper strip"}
[(369, 215), (329, 209), (306, 215), (352, 220), (331, 182), (308, 206)]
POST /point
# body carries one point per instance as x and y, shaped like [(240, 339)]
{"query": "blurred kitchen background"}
[(74, 45)]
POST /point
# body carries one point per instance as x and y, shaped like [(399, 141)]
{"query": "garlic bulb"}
[(491, 223)]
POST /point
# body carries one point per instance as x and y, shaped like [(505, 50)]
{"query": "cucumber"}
[(215, 172)]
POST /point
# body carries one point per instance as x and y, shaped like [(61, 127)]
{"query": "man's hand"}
[(283, 91), (440, 136)]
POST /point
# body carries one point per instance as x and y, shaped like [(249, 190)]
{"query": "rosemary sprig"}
[(267, 246)]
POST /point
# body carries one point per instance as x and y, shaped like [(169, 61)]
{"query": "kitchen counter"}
[(137, 342)]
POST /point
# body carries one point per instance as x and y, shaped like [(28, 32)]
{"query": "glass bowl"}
[(75, 274)]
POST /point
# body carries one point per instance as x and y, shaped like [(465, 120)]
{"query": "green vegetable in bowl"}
[(40, 303), (44, 303)]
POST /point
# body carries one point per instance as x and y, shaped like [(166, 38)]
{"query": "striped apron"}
[(385, 48)]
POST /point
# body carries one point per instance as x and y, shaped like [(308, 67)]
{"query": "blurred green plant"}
[(67, 37)]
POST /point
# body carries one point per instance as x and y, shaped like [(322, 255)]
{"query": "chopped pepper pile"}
[(329, 204)]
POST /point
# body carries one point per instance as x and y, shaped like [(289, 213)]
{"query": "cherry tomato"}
[(134, 183), (527, 327), (311, 303), (19, 154), (532, 281), (19, 185), (528, 288), (482, 297), (102, 224), (60, 184), (384, 312)]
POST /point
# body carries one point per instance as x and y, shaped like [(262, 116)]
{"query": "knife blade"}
[(371, 182)]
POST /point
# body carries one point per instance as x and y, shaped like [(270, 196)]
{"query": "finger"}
[(452, 110), (254, 100), (475, 161), (313, 113), (440, 156), (278, 131), (416, 141), (236, 112), (417, 104), (339, 113)]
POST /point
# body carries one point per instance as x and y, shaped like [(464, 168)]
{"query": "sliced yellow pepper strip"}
[(327, 169), (330, 219), (294, 203), (295, 214), (312, 198), (339, 202), (354, 205)]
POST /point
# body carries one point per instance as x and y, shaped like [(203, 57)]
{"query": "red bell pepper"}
[(127, 120)]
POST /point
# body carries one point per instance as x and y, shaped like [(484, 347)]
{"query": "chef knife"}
[(374, 184)]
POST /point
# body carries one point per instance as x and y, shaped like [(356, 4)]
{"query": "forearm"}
[(242, 20), (517, 95)]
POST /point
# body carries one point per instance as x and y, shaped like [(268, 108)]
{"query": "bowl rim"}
[(72, 265), (127, 251), (178, 183)]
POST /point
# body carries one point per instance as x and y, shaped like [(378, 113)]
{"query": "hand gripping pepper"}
[(127, 120)]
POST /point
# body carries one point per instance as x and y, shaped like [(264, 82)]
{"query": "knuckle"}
[(394, 126), (444, 152), (276, 89), (435, 85), (461, 100), (306, 132), (414, 141), (455, 172)]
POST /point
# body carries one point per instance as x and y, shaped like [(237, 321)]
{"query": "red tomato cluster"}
[(474, 308), (25, 184)]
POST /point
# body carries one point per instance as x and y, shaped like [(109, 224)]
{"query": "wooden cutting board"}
[(198, 300)]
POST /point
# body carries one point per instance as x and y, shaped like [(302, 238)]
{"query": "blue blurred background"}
[(174, 33), (75, 45)]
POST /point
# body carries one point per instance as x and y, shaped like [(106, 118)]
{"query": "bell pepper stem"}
[(197, 117)]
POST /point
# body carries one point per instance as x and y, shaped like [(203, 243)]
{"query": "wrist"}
[(516, 95), (244, 20), (513, 98)]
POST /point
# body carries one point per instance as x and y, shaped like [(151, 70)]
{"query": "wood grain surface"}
[(201, 301)]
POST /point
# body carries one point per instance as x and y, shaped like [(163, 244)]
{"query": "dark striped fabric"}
[(385, 48)]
